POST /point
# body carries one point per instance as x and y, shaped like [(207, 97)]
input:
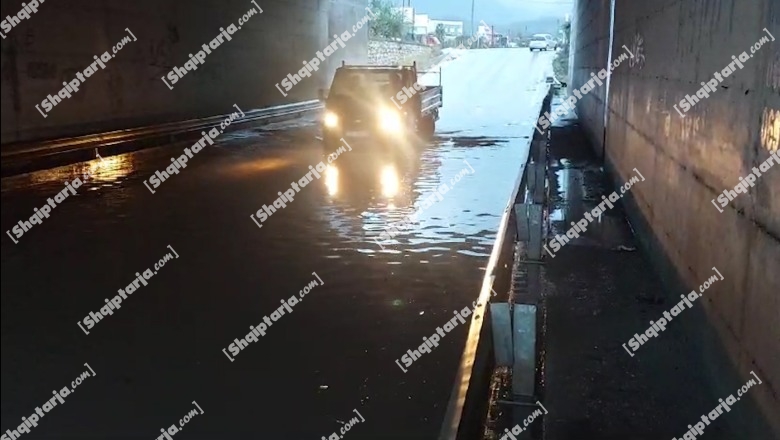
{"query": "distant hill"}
[(547, 25), (527, 17)]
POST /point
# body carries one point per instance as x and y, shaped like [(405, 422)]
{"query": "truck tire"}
[(329, 143), (428, 125)]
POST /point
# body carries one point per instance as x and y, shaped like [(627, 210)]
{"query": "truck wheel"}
[(428, 125), (329, 143)]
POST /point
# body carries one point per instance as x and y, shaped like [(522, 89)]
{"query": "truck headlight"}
[(331, 120), (390, 120)]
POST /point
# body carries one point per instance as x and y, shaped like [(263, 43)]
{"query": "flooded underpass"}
[(334, 352)]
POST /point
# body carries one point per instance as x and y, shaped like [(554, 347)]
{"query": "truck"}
[(382, 102)]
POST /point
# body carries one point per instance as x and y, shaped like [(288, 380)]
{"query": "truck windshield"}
[(362, 83)]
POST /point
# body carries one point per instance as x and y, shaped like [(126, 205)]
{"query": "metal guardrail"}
[(466, 409), (11, 151), (16, 155)]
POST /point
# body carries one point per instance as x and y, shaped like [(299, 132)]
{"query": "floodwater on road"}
[(336, 350)]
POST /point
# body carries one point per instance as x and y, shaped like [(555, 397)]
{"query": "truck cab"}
[(378, 101)]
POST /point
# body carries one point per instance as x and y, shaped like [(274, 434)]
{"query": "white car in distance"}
[(551, 43), (540, 42)]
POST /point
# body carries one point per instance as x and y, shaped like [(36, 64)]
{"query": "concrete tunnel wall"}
[(690, 161), (64, 35), (590, 39)]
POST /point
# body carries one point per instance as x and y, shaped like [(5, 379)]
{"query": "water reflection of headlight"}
[(389, 181), (102, 169), (332, 180)]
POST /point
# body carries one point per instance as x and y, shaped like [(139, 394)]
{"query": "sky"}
[(494, 12)]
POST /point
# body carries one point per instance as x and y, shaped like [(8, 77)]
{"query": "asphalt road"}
[(335, 352)]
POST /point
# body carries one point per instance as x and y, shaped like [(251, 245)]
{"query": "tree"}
[(389, 21), (440, 32)]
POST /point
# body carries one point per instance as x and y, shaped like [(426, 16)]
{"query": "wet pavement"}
[(597, 293), (336, 351)]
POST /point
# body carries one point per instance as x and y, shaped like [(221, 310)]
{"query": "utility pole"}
[(413, 20), (472, 17)]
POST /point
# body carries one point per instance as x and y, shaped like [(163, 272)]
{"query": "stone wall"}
[(395, 53)]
